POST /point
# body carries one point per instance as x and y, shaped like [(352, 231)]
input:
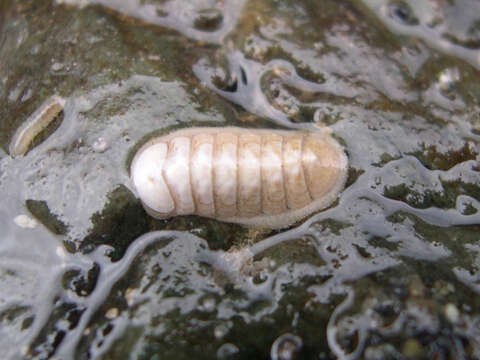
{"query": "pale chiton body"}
[(257, 178)]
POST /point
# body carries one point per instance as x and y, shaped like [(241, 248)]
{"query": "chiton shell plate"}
[(257, 178)]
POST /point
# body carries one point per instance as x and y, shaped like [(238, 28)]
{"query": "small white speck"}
[(452, 313), (60, 252), (285, 347), (25, 221), (130, 296), (112, 313), (35, 49), (227, 351), (448, 77), (221, 330), (153, 57), (100, 145), (56, 66), (24, 350), (80, 3), (208, 304), (27, 95)]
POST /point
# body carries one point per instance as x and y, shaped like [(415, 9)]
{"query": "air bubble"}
[(25, 221), (286, 347), (227, 351), (57, 66), (225, 80), (402, 12), (452, 313), (447, 78), (112, 313), (221, 330), (208, 20), (260, 278), (100, 145), (208, 304)]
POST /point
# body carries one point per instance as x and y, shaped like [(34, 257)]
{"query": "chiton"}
[(257, 178)]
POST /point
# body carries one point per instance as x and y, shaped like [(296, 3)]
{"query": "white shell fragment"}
[(25, 221), (35, 124), (257, 178)]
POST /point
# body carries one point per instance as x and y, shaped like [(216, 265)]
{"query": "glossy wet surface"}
[(389, 271)]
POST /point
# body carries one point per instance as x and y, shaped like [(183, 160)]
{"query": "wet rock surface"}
[(389, 271)]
